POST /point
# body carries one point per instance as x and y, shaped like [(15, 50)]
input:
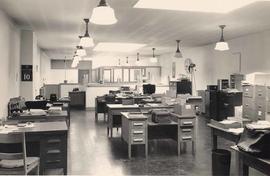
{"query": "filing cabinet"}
[(248, 91), (260, 92), (255, 104)]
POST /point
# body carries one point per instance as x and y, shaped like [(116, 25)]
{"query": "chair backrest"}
[(16, 139), (53, 97), (36, 104), (110, 98), (39, 97), (6, 139)]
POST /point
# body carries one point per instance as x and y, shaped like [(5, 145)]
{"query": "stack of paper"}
[(55, 109), (259, 125), (37, 112)]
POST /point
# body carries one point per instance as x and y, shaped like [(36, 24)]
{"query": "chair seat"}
[(11, 164)]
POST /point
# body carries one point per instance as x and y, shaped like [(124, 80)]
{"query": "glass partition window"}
[(126, 75), (107, 76), (118, 75)]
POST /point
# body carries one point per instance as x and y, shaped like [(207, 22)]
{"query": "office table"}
[(114, 113), (51, 137), (222, 132), (246, 160), (138, 130), (49, 117), (137, 99)]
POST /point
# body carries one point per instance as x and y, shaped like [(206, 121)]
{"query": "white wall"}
[(212, 65), (55, 76), (10, 62)]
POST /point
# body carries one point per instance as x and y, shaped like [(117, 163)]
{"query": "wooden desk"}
[(114, 113), (49, 117), (246, 160), (139, 130), (221, 132), (52, 140)]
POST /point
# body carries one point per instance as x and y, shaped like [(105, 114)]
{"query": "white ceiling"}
[(58, 23)]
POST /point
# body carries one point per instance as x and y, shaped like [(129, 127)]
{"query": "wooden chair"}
[(16, 163)]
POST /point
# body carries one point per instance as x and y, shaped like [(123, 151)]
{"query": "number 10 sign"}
[(27, 73)]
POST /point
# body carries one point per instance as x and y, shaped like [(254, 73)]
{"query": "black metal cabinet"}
[(77, 99)]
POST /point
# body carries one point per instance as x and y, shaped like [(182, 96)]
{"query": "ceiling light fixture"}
[(222, 45), (103, 14), (138, 59), (86, 40), (153, 59), (212, 6), (80, 51), (127, 60), (178, 53)]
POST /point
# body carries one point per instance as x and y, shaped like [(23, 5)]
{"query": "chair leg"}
[(37, 169), (117, 129)]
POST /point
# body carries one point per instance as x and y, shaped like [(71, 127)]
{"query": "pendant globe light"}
[(103, 14), (80, 51), (178, 53), (86, 40), (153, 59), (138, 59), (222, 45), (127, 60)]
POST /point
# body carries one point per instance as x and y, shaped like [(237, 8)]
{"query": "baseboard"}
[(90, 108)]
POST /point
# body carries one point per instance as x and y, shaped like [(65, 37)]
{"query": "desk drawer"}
[(138, 132), (249, 113), (248, 91), (186, 133), (260, 115), (187, 122), (138, 139), (138, 125), (260, 92), (248, 103)]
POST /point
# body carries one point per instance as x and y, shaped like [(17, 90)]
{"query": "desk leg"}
[(193, 147), (129, 151), (179, 147), (111, 132), (65, 143), (214, 140), (108, 131), (96, 116), (242, 169)]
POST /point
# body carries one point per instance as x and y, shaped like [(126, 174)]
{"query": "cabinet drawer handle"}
[(138, 140), (186, 130), (138, 124), (187, 123), (186, 137), (137, 132)]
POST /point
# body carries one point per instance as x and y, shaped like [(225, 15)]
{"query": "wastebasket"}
[(221, 161)]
